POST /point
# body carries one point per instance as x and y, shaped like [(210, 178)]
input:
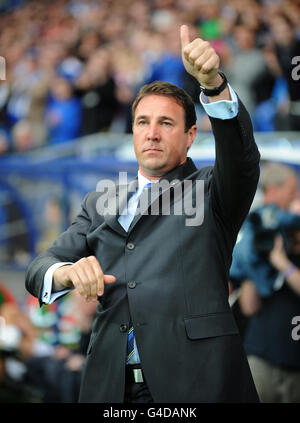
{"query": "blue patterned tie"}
[(130, 339), (130, 342)]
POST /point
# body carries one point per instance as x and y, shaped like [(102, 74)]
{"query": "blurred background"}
[(73, 68)]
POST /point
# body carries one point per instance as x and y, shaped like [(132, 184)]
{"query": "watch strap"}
[(215, 91)]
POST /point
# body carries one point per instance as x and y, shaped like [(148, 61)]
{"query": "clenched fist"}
[(200, 59), (85, 275)]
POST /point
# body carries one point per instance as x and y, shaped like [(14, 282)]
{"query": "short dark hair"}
[(169, 90)]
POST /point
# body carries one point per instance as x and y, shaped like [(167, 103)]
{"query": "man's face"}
[(289, 191), (283, 195), (160, 140)]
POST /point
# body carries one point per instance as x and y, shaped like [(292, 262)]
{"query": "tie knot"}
[(143, 190)]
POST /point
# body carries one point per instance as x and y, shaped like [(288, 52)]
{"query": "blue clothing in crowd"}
[(67, 117), (169, 68)]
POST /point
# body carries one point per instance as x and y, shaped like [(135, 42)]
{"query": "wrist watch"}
[(215, 91)]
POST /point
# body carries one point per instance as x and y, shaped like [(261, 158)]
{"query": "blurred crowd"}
[(42, 350), (73, 67)]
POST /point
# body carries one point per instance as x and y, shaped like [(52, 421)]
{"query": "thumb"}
[(278, 242), (184, 36), (109, 278)]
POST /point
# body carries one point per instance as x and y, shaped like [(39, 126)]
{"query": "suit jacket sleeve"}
[(236, 169), (70, 246)]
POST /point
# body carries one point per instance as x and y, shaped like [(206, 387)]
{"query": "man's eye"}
[(141, 122), (166, 123)]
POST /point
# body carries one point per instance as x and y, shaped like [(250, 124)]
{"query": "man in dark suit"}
[(164, 331)]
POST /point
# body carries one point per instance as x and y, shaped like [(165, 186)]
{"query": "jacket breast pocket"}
[(210, 325)]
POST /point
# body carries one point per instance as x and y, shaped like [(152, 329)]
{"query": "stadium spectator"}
[(243, 77), (287, 47), (63, 112), (170, 58), (22, 136), (96, 88)]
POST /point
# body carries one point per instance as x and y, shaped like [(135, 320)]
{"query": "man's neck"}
[(149, 177)]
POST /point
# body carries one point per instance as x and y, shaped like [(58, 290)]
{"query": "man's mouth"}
[(152, 149)]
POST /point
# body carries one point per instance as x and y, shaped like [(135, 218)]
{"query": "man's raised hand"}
[(85, 275), (200, 59)]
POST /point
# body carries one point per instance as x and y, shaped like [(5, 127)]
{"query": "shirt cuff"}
[(223, 109), (48, 297)]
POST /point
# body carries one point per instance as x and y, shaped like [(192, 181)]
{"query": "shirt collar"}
[(142, 181), (180, 172)]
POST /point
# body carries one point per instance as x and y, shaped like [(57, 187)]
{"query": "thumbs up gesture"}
[(200, 59)]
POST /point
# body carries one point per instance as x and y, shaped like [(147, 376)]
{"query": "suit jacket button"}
[(123, 328), (130, 246), (131, 284)]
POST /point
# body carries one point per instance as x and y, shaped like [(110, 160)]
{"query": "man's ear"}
[(192, 132)]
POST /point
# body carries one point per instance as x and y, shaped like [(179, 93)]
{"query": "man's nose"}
[(153, 133)]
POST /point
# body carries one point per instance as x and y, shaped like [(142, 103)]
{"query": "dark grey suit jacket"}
[(172, 279)]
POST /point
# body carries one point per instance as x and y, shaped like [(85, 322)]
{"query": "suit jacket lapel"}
[(172, 177), (145, 202), (117, 202)]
